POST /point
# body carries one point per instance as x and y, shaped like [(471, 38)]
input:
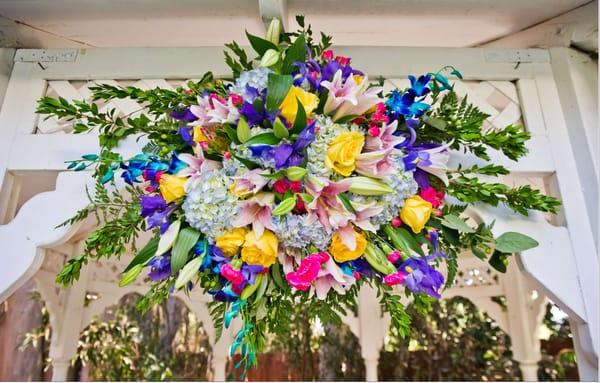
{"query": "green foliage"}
[(463, 128), (520, 199), (452, 341)]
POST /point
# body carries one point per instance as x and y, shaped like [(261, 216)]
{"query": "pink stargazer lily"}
[(364, 211), (339, 93), (365, 100), (331, 277), (375, 164), (385, 139), (212, 111), (256, 211), (325, 206), (197, 164), (250, 183)]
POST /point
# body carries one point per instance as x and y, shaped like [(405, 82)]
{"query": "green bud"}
[(285, 206), (279, 130), (270, 58), (130, 275), (250, 289), (296, 173), (243, 130), (368, 186), (236, 263), (274, 31)]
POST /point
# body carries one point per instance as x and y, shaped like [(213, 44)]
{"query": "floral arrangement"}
[(294, 182)]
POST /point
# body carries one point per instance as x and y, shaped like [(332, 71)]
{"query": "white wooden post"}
[(523, 320), (373, 330), (65, 333)]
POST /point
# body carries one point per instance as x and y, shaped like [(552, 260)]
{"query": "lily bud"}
[(368, 186), (270, 58), (296, 173), (274, 31), (285, 206)]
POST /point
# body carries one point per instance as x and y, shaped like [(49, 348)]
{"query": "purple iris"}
[(419, 155), (183, 114), (186, 134), (333, 66), (224, 295), (156, 211), (286, 155), (250, 272), (437, 252), (303, 73), (421, 277), (406, 104), (160, 268), (422, 178)]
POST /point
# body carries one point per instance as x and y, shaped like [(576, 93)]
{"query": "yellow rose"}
[(289, 106), (199, 134), (172, 187), (231, 241), (341, 253), (342, 152), (261, 251), (416, 212)]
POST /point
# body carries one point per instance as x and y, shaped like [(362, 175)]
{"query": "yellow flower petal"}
[(172, 187), (231, 241), (416, 212), (261, 251), (343, 151), (341, 253), (289, 106)]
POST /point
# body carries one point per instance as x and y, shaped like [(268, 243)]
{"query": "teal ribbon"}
[(234, 311), (246, 349)]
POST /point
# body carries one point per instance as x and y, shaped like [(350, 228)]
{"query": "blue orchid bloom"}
[(134, 168), (443, 82), (419, 86), (405, 104)]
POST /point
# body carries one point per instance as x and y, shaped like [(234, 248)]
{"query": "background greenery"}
[(454, 341)]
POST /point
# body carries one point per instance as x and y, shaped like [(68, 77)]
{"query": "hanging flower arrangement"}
[(294, 182)]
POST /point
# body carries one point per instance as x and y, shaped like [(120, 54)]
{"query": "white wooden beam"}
[(578, 27)]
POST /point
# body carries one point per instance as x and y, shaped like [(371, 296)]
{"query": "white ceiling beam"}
[(578, 27), (270, 9)]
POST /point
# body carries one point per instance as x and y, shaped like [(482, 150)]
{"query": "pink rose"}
[(433, 196), (307, 272), (394, 278)]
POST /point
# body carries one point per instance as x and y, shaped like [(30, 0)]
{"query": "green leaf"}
[(262, 288), (144, 254), (263, 139), (346, 202), (260, 45), (249, 164), (279, 130), (187, 238), (437, 123), (296, 52), (511, 242), (188, 271), (285, 206), (231, 133), (243, 130), (300, 121), (278, 87), (499, 261), (403, 240), (130, 275), (276, 273), (345, 119), (456, 223)]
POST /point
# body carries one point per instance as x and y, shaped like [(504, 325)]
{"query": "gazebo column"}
[(523, 316), (373, 329), (66, 329), (220, 351)]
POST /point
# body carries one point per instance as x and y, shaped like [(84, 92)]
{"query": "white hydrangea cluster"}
[(256, 78), (404, 185), (209, 206), (327, 131), (294, 233)]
